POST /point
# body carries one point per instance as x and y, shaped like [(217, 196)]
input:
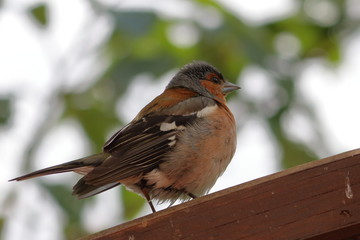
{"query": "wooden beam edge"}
[(142, 221)]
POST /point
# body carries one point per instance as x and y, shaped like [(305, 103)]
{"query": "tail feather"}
[(84, 190), (76, 165)]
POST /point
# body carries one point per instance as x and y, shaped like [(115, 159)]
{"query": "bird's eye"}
[(215, 80)]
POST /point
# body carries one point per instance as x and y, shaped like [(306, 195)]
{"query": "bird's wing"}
[(141, 146)]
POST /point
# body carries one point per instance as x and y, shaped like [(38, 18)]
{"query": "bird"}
[(175, 148)]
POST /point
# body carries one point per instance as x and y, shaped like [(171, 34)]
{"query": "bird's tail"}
[(82, 166)]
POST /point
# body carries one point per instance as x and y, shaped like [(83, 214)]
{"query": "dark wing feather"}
[(137, 148)]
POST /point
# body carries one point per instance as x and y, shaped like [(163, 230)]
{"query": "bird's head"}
[(203, 79)]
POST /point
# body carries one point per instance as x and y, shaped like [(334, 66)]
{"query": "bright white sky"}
[(28, 74)]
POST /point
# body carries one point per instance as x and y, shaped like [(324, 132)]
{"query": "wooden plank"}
[(318, 200)]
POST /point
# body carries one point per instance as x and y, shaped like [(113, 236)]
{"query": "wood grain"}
[(318, 200)]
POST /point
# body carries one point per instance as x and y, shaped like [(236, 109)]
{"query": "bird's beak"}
[(229, 87)]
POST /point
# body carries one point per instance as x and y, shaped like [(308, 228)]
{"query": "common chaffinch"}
[(175, 148)]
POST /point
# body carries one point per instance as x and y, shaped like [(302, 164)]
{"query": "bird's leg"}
[(146, 195), (190, 194)]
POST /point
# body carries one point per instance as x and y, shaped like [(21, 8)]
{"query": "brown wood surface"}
[(318, 200)]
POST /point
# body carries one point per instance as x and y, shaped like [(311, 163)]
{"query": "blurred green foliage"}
[(2, 220), (5, 110), (39, 14), (139, 43), (132, 202), (62, 195)]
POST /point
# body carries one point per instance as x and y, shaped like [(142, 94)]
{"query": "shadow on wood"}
[(318, 200)]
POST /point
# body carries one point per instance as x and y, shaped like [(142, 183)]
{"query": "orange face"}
[(213, 83)]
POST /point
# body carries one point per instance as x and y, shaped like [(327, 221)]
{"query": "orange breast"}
[(202, 152)]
